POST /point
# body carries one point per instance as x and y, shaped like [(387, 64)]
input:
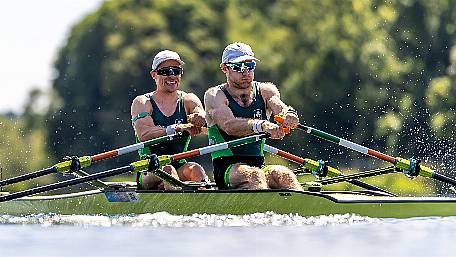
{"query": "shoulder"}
[(268, 89), (214, 91), (214, 94), (190, 99), (189, 96), (141, 99), (141, 103)]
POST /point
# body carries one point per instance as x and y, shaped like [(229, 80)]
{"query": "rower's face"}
[(239, 78), (167, 76)]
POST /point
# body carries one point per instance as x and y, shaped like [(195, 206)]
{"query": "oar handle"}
[(218, 147), (287, 130), (25, 177)]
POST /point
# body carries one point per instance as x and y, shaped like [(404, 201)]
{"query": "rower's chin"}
[(172, 87)]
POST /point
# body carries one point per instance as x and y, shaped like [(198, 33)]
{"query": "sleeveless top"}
[(178, 145), (256, 110)]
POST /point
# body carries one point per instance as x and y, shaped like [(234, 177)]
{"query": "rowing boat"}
[(187, 202), (125, 198)]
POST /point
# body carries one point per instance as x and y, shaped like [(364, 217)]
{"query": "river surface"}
[(261, 234)]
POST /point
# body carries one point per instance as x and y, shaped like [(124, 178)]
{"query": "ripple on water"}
[(164, 219)]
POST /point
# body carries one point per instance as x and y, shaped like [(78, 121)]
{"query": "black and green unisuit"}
[(223, 160), (178, 145)]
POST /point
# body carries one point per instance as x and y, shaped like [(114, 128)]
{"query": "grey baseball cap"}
[(163, 56), (237, 52)]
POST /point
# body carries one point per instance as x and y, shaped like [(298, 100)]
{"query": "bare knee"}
[(192, 171), (170, 170), (247, 177), (280, 177)]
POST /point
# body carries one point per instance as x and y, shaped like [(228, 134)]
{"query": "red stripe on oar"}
[(381, 156), (290, 157), (106, 155), (184, 155)]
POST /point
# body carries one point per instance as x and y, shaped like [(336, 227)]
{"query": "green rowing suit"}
[(178, 145), (256, 110)]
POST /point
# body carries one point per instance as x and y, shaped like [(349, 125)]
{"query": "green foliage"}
[(23, 150), (377, 72)]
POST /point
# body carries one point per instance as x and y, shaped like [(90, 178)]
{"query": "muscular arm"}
[(145, 128), (194, 109), (275, 105), (219, 113)]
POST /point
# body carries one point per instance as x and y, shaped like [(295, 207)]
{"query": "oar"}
[(74, 164), (363, 174), (319, 168), (153, 164), (411, 167), (316, 185), (66, 183)]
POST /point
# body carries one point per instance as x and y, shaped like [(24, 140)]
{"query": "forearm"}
[(238, 127), (150, 132)]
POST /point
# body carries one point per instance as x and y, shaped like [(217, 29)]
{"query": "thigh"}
[(243, 176)]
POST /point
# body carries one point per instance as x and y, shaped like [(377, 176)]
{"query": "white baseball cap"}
[(237, 52), (163, 56)]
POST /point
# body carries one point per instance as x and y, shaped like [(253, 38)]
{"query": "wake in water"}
[(164, 219)]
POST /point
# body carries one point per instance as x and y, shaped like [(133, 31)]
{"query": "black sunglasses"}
[(171, 70)]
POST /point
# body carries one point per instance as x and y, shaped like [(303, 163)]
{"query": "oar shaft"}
[(300, 160), (63, 184), (364, 174), (134, 147), (340, 141), (443, 178), (28, 176), (369, 186), (348, 144), (86, 161), (218, 147)]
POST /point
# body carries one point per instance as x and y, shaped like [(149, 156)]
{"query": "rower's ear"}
[(153, 74), (223, 67)]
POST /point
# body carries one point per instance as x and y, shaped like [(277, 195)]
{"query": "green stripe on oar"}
[(410, 167), (324, 135)]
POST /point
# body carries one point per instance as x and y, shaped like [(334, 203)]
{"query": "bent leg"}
[(151, 182), (243, 176), (192, 171), (280, 177)]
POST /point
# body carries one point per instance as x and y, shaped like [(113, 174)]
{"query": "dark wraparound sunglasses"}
[(168, 71)]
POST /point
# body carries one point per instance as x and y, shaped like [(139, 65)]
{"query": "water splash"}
[(164, 219)]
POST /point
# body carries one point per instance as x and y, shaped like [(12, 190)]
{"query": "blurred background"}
[(380, 73)]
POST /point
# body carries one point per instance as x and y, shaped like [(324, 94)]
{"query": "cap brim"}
[(244, 58), (178, 60)]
